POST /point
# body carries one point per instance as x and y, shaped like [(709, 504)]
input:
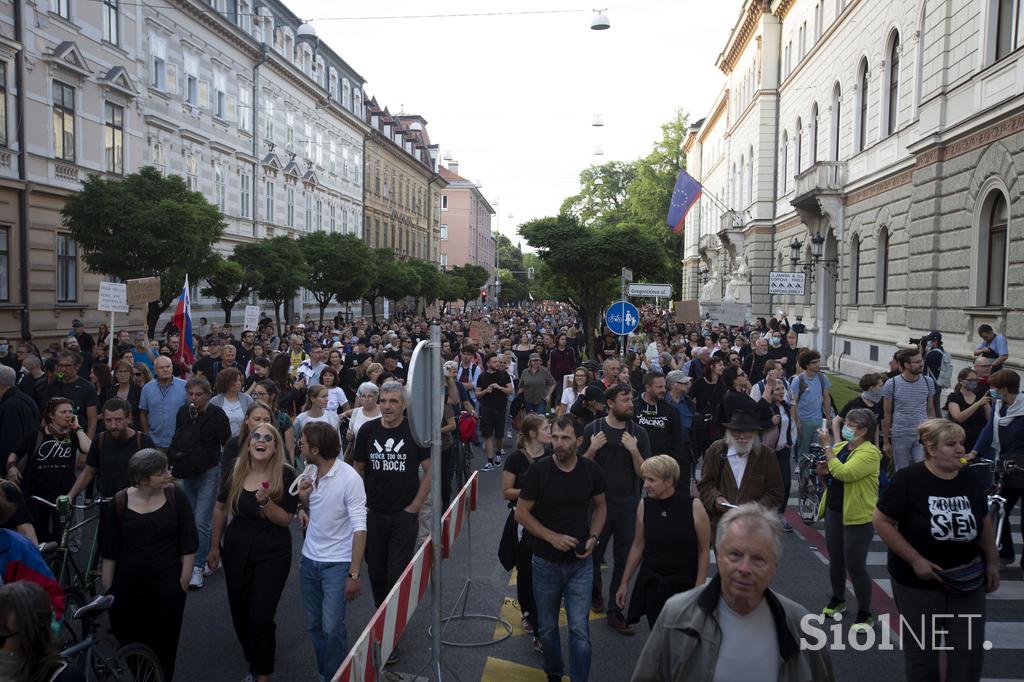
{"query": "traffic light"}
[(483, 295)]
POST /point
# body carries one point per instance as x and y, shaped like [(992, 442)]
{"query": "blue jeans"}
[(536, 408), (808, 435), (201, 492), (323, 595), (551, 582)]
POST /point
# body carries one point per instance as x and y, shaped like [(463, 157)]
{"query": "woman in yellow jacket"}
[(851, 472)]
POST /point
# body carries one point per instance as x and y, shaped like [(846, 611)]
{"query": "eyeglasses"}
[(265, 437), (136, 374), (260, 394)]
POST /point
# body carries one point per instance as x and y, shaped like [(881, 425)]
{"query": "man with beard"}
[(906, 402), (661, 421), (738, 469), (554, 506), (111, 451), (619, 447), (753, 363)]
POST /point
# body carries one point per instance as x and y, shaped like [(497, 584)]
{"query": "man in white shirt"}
[(312, 366), (332, 553)]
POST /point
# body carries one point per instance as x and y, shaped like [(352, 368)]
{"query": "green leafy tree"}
[(584, 262), (281, 265), (510, 256), (336, 267), (230, 284), (388, 278), (428, 282), (145, 225), (451, 288), (513, 289), (603, 193), (474, 277)]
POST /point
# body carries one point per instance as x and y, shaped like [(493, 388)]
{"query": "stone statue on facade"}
[(710, 290), (737, 289)]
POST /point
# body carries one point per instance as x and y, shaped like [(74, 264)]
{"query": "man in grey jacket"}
[(735, 627)]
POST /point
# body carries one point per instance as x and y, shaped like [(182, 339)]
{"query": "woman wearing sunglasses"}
[(255, 506)]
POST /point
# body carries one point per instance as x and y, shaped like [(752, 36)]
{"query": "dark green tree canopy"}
[(336, 267), (281, 265)]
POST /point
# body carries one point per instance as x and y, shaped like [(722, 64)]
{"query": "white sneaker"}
[(497, 460), (196, 583), (207, 571)]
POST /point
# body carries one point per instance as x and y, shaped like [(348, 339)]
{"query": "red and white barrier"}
[(389, 622)]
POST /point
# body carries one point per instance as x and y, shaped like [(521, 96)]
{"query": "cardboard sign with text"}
[(734, 314), (143, 290), (687, 311), (481, 332)]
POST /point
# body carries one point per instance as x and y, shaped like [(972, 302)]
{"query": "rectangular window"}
[(444, 232), (62, 8), (220, 95), (333, 157), (1009, 27), (444, 202), (319, 149), (157, 157), (113, 137), (192, 172), (245, 106), (191, 66), (357, 171), (245, 15), (307, 141), (63, 121), (5, 264), (67, 269), (244, 193), (320, 214), (333, 223), (268, 208), (110, 25), (290, 208), (289, 119), (158, 70), (219, 188), (444, 261), (3, 104), (344, 162), (309, 211), (996, 285)]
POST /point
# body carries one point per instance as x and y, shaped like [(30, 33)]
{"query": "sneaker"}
[(196, 583), (249, 678), (497, 460), (617, 622), (865, 622), (488, 467), (393, 657), (786, 527), (597, 604), (835, 607), (539, 648), (207, 571), (527, 626)]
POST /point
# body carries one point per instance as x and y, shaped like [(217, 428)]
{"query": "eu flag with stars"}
[(684, 196)]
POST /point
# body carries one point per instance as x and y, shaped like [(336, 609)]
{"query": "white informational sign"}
[(627, 274), (735, 314), (252, 318), (387, 308), (113, 297), (786, 283), (650, 290)]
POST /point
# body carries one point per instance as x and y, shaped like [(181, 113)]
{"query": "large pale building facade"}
[(267, 123), (874, 145)]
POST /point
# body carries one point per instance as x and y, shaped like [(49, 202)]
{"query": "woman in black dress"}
[(707, 393), (673, 540), (969, 406), (257, 543)]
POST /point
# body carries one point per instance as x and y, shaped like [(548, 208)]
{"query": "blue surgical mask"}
[(994, 394), (873, 396), (775, 341), (971, 386), (848, 433), (4, 348)]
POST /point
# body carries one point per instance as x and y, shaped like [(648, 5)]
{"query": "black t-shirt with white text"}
[(392, 463), (562, 501), (941, 519), (51, 466)]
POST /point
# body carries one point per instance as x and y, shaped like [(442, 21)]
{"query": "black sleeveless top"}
[(670, 540)]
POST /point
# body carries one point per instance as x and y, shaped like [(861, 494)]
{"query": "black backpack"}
[(184, 454)]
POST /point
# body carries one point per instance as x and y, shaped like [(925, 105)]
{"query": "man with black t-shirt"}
[(619, 447), (554, 506), (388, 458), (587, 407), (493, 388), (110, 451), (80, 392), (661, 421)]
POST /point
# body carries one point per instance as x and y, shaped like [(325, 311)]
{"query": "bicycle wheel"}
[(71, 629), (137, 663)]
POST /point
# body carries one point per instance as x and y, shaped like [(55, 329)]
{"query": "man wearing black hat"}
[(85, 342), (588, 406), (738, 469)]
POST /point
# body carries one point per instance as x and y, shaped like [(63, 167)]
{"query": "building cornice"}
[(716, 113), (780, 8), (741, 34)]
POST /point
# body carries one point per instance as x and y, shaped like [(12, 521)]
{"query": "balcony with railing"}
[(824, 178)]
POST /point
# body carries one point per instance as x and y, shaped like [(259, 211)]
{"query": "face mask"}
[(873, 396), (776, 341), (848, 433), (971, 386), (994, 394), (3, 348)]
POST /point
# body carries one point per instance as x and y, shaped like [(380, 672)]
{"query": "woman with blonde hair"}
[(141, 374), (256, 506), (934, 519), (374, 372), (671, 545)]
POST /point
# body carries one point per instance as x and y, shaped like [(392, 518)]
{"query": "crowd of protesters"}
[(669, 444)]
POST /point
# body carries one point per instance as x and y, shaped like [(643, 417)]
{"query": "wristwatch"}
[(353, 576)]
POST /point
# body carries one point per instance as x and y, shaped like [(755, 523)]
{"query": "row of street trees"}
[(148, 224), (616, 219)]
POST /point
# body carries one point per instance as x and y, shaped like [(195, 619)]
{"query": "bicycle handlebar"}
[(53, 505)]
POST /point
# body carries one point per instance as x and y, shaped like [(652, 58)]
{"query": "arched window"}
[(882, 267), (995, 219), (813, 141), (346, 94), (332, 84), (798, 140), (862, 101), (784, 159), (837, 119), (892, 92), (855, 270)]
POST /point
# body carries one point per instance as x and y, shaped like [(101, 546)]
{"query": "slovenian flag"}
[(182, 319), (684, 196)]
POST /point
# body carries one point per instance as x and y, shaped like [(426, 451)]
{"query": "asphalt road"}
[(209, 650)]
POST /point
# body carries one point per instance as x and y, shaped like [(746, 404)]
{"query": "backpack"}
[(184, 454), (467, 427), (803, 387), (100, 440), (945, 370)]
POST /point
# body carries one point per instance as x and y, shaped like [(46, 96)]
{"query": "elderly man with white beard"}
[(738, 469)]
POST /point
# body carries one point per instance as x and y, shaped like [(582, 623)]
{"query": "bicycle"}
[(996, 502), (129, 663), (809, 486)]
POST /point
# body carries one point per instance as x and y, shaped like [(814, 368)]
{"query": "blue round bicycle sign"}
[(622, 317)]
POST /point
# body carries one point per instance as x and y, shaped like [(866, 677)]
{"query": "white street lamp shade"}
[(600, 22), (305, 30), (598, 151), (599, 181), (447, 156), (598, 121)]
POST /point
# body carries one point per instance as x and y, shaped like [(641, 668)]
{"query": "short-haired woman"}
[(581, 378), (29, 652), (257, 543), (336, 400), (231, 398), (148, 554), (671, 545), (969, 406), (366, 409), (314, 410), (934, 519), (851, 474), (533, 444)]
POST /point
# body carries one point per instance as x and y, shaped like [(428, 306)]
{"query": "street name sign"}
[(643, 290), (787, 283)]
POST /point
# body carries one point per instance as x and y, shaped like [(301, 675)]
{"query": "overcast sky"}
[(513, 97)]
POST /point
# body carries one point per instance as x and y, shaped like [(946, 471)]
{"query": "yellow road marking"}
[(498, 670)]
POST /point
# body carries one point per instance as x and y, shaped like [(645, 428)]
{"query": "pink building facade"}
[(466, 236)]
